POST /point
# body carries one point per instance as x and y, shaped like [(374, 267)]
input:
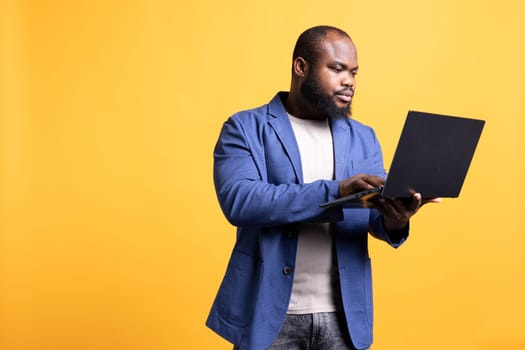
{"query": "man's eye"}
[(337, 69)]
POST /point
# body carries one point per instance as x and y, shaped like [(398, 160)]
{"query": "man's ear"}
[(300, 67)]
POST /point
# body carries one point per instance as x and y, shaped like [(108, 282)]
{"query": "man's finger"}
[(417, 200), (431, 200), (374, 181)]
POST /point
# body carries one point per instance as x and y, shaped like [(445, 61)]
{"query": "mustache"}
[(345, 91)]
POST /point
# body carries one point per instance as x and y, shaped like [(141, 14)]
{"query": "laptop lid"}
[(432, 157)]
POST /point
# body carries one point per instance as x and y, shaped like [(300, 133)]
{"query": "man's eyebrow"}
[(345, 66), (339, 63)]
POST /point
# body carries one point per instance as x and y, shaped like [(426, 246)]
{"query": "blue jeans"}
[(319, 331)]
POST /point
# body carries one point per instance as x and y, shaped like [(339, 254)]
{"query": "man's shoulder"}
[(251, 113), (262, 112), (357, 123), (357, 126)]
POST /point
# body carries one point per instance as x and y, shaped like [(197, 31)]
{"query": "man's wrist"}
[(394, 229)]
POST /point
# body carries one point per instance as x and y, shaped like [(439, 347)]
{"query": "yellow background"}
[(110, 233)]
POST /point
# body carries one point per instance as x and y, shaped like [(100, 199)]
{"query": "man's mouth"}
[(344, 96)]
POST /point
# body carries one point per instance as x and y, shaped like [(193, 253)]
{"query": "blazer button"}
[(287, 270), (292, 234)]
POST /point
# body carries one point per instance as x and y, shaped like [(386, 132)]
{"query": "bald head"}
[(323, 74), (309, 43)]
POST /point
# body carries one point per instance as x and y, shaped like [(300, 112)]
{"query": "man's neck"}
[(297, 106)]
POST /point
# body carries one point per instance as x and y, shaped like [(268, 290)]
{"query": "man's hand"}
[(397, 212), (358, 183)]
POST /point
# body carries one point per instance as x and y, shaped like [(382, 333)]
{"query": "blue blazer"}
[(258, 180)]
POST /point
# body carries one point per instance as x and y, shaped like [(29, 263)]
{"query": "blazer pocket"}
[(236, 296), (370, 166)]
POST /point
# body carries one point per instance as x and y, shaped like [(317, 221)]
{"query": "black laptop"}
[(432, 157)]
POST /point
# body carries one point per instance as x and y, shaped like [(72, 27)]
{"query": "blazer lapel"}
[(283, 128), (340, 136)]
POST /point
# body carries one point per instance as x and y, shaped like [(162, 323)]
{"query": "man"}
[(299, 276)]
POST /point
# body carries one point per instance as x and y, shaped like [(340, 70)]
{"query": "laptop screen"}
[(433, 155)]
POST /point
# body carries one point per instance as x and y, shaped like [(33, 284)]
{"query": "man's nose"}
[(348, 80)]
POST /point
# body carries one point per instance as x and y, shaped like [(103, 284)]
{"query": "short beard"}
[(324, 103)]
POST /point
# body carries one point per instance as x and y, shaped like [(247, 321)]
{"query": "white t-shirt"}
[(316, 282)]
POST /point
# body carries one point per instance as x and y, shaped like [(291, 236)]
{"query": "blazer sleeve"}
[(247, 199), (375, 222), (378, 230)]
